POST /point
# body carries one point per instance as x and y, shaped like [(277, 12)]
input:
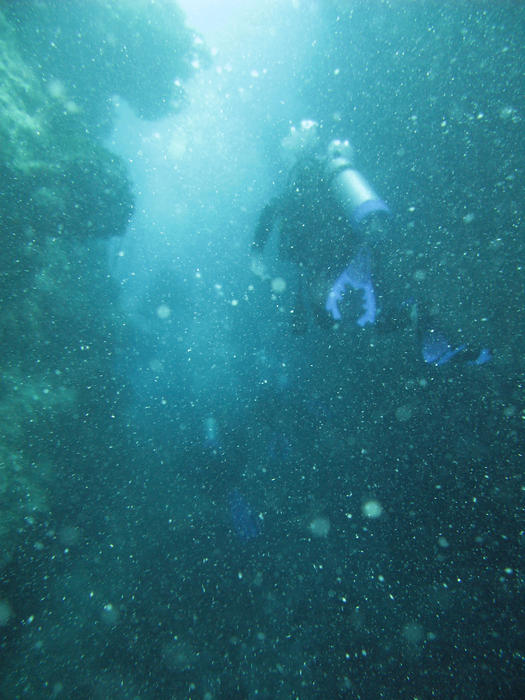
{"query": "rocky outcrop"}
[(62, 195), (89, 51)]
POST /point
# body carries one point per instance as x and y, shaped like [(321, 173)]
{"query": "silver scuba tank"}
[(349, 187)]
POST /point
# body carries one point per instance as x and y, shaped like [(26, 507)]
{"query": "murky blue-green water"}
[(206, 504)]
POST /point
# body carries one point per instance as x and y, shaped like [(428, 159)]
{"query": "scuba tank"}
[(349, 187)]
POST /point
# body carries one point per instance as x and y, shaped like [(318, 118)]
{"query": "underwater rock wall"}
[(62, 195), (88, 52)]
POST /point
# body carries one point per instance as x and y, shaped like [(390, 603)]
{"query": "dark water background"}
[(142, 580)]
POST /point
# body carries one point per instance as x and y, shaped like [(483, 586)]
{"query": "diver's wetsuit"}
[(316, 234)]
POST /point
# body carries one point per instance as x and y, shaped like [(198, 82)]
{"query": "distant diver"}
[(338, 231), (245, 522)]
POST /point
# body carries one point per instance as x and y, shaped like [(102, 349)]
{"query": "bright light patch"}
[(372, 509), (209, 16), (319, 527), (163, 311), (403, 413), (278, 285)]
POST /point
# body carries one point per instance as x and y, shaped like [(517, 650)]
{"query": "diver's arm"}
[(266, 222)]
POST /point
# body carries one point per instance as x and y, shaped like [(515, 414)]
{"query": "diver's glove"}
[(357, 276)]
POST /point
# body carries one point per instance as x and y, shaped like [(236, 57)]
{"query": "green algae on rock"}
[(62, 194)]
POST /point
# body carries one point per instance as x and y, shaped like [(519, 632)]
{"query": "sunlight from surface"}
[(211, 17)]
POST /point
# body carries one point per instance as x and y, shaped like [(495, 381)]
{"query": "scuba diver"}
[(339, 233)]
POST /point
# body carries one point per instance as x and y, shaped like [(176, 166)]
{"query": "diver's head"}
[(302, 141), (340, 150)]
